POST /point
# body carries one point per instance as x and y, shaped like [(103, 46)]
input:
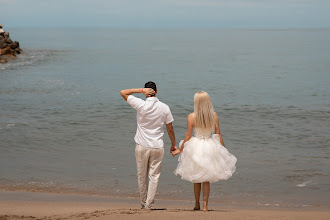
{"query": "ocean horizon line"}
[(175, 28)]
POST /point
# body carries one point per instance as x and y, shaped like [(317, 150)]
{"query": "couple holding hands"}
[(203, 157)]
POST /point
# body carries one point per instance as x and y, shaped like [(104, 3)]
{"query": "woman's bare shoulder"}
[(191, 118), (191, 115)]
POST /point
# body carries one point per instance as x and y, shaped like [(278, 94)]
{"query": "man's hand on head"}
[(148, 92)]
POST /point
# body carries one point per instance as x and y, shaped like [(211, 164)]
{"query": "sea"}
[(64, 128)]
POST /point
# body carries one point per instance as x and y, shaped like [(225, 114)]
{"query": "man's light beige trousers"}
[(148, 164)]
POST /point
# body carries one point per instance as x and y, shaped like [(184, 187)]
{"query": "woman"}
[(204, 158)]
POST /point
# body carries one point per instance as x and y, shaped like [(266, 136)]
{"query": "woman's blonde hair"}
[(204, 112)]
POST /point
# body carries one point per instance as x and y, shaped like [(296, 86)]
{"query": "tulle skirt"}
[(205, 160)]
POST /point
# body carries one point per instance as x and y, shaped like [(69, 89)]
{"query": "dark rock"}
[(13, 46), (2, 43), (8, 48), (17, 43), (7, 51), (9, 41)]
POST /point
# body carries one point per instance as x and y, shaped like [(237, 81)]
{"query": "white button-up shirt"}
[(151, 116)]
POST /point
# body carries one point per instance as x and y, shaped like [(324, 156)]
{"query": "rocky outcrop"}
[(8, 49)]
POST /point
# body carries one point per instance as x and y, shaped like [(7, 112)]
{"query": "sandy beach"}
[(51, 206)]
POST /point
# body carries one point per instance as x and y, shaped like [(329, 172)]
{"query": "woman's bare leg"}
[(206, 194), (197, 191)]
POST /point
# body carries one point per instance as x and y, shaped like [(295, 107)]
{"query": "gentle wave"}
[(31, 57), (304, 184)]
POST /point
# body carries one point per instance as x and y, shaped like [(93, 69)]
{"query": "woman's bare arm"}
[(190, 125), (217, 128)]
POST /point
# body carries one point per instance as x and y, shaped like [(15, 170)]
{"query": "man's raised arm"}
[(146, 91)]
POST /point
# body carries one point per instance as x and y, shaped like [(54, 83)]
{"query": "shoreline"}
[(256, 204), (13, 194), (34, 205)]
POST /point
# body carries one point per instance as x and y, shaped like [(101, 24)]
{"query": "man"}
[(152, 114)]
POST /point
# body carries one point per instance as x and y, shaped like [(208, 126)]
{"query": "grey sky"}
[(166, 13)]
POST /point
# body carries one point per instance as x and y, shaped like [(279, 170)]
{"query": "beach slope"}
[(50, 206)]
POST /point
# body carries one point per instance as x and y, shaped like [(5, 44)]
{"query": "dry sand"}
[(49, 206)]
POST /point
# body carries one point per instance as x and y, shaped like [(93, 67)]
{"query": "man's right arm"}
[(171, 135), (146, 91)]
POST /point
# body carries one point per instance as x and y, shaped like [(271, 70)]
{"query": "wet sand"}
[(51, 206)]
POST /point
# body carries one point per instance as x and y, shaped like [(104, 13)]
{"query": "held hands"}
[(173, 148), (148, 92), (176, 152)]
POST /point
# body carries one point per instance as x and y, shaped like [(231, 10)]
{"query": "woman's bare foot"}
[(205, 209), (197, 206)]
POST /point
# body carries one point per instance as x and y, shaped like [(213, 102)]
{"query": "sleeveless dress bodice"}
[(202, 134)]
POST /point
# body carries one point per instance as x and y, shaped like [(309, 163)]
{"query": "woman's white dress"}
[(205, 159)]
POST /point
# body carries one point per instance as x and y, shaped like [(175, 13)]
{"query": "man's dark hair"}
[(151, 85)]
